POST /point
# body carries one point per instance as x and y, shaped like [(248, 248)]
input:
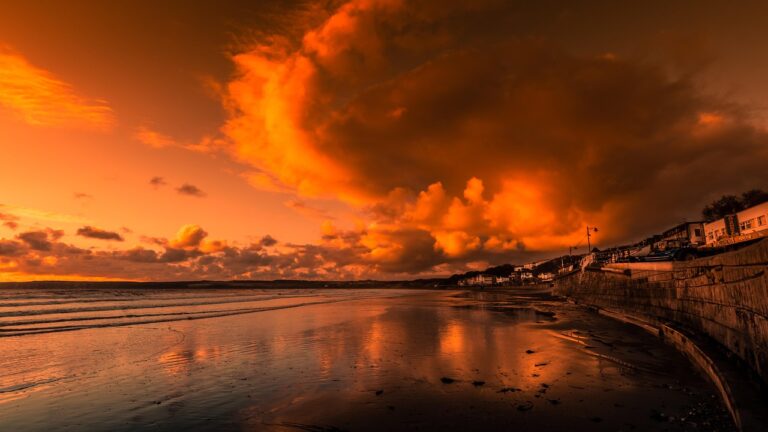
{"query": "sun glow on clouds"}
[(41, 99), (287, 112), (464, 152)]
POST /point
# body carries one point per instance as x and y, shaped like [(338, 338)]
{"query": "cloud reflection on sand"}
[(371, 361)]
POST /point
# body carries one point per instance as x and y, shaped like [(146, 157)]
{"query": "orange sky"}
[(363, 138)]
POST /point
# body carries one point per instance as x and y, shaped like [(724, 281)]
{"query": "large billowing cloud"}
[(41, 99), (462, 143)]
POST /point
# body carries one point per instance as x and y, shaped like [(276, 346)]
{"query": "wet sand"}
[(329, 360)]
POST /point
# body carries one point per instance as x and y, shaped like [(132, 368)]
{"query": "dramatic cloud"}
[(40, 99), (189, 189), (96, 233), (426, 137), (480, 147)]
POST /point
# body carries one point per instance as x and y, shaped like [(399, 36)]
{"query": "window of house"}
[(760, 220), (697, 232)]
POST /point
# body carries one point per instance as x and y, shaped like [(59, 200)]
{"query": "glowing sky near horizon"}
[(364, 138)]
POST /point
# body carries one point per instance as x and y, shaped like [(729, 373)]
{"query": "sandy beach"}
[(331, 360)]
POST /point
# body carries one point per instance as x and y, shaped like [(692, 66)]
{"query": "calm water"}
[(324, 360)]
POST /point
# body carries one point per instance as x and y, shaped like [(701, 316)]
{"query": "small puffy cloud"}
[(156, 182), (267, 241), (189, 236), (190, 189), (82, 196), (40, 240), (41, 99), (9, 220), (97, 233)]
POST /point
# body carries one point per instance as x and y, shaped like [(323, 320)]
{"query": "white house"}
[(686, 233), (502, 280), (481, 280), (546, 276), (744, 225), (753, 219)]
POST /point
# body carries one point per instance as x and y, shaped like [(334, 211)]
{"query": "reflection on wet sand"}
[(395, 360)]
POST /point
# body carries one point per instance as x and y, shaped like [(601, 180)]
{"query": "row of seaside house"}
[(745, 225), (520, 275)]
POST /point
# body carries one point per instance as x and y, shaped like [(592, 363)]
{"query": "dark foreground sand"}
[(335, 360)]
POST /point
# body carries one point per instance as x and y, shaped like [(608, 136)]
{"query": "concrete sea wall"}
[(724, 297)]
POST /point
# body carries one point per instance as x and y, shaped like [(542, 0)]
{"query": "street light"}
[(590, 230)]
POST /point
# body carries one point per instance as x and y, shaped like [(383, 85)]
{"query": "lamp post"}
[(590, 230)]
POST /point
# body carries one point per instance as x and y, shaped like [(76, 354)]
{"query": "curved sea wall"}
[(724, 297)]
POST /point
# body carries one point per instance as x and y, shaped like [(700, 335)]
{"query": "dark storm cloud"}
[(97, 233), (190, 189), (449, 126)]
